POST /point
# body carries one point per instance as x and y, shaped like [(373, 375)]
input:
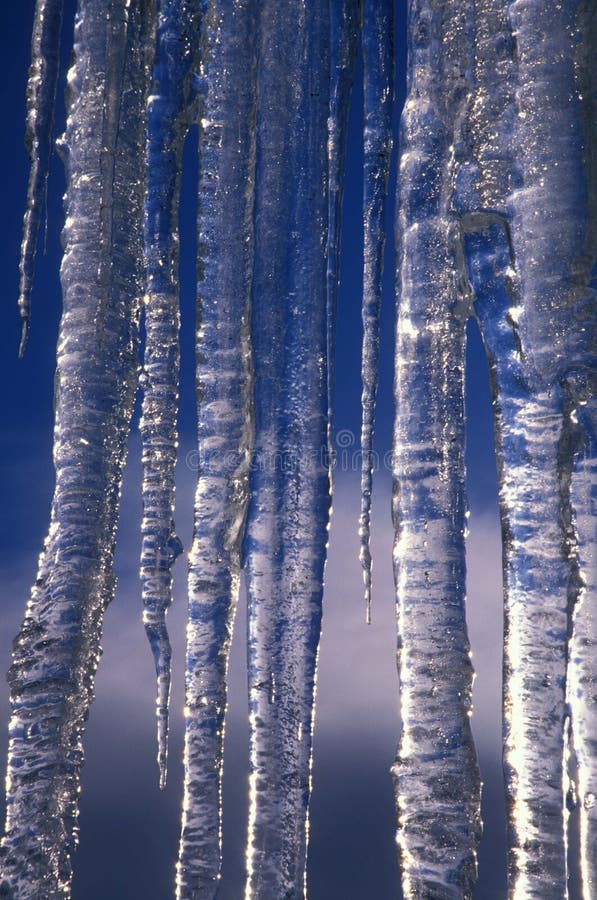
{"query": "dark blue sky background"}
[(129, 830)]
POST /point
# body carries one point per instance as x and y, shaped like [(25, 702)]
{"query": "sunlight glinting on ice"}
[(495, 210)]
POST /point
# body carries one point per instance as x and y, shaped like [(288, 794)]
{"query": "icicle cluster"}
[(497, 219), (496, 213), (58, 648)]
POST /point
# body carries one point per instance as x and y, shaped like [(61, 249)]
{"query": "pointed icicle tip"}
[(162, 655), (163, 729), (365, 559), (24, 336)]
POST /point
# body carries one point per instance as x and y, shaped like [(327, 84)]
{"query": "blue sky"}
[(129, 830)]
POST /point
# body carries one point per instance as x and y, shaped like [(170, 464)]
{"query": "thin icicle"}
[(169, 114), (378, 71), (225, 428), (289, 507), (41, 96), (344, 39), (57, 650)]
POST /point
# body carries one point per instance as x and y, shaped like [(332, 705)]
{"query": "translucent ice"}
[(378, 66), (41, 92), (57, 650), (169, 114)]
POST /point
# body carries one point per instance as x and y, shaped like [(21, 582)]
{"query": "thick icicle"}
[(527, 223), (552, 320), (581, 409), (225, 228), (57, 650), (169, 114), (289, 507), (436, 774), (529, 432), (344, 38), (582, 672), (378, 63), (41, 95)]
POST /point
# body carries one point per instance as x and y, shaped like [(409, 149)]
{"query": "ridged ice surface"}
[(58, 647), (497, 218), (169, 114), (532, 274), (289, 506), (41, 92), (512, 162), (378, 68), (225, 233), (436, 775)]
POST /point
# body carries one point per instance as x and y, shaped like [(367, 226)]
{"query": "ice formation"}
[(496, 218), (378, 92), (57, 650), (41, 93)]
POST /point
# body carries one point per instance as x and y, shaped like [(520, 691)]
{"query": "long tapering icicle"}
[(436, 774), (344, 40), (169, 113), (41, 96), (225, 429), (289, 507), (57, 650), (378, 74)]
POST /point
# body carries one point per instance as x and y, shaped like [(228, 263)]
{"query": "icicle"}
[(169, 115), (581, 411), (289, 507), (553, 251), (436, 774), (57, 650), (344, 37), (378, 63), (529, 241), (582, 671), (41, 95), (536, 575), (224, 386)]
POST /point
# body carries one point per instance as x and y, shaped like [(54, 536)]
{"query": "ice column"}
[(58, 647), (436, 775), (289, 506), (169, 114), (224, 394)]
